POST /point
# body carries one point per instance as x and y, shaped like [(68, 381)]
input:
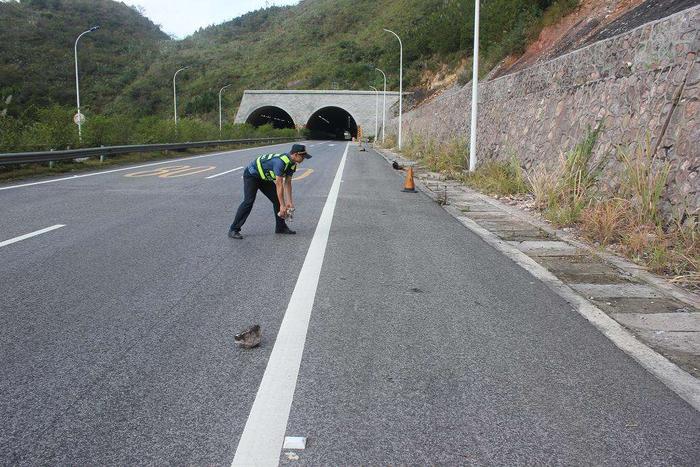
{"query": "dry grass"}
[(565, 190), (567, 194), (543, 183), (603, 220), (634, 222), (644, 180), (498, 178), (448, 158), (390, 142)]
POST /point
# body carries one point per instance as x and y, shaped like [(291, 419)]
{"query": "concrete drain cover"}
[(642, 305), (615, 290), (547, 248)]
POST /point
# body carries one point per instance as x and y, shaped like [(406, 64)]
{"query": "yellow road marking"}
[(171, 171), (188, 171), (155, 172)]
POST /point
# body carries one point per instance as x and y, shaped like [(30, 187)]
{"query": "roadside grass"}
[(447, 158), (575, 182), (389, 142), (24, 171), (630, 220), (498, 178)]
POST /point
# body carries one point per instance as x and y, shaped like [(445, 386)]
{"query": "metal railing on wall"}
[(104, 151)]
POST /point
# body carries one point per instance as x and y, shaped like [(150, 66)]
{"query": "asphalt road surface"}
[(417, 343)]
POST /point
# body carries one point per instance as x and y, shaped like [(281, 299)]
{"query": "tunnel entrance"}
[(275, 116), (331, 123)]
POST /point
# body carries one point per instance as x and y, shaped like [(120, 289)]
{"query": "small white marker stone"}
[(294, 442)]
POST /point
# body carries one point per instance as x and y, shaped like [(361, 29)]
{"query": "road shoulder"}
[(654, 322)]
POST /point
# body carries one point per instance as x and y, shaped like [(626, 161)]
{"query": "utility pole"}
[(220, 91), (400, 83), (79, 116), (175, 93), (475, 89), (383, 106)]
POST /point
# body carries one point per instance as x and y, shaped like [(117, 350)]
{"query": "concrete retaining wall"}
[(644, 82)]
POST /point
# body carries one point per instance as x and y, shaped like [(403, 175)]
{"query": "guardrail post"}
[(102, 156), (51, 162)]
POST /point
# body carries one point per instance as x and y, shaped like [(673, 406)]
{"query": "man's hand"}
[(282, 213), (290, 205)]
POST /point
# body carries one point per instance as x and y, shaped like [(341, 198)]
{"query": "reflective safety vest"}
[(270, 174)]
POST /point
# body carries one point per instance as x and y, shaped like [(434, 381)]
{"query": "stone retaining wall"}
[(642, 83)]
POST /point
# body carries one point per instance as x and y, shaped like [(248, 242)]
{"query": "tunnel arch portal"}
[(331, 123), (270, 114), (365, 108)]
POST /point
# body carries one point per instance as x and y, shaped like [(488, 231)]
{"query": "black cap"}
[(300, 149)]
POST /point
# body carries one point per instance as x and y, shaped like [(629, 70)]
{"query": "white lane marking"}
[(170, 161), (263, 435), (679, 381), (224, 173), (30, 235)]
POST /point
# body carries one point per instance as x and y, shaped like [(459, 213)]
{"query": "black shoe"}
[(285, 230), (235, 234)]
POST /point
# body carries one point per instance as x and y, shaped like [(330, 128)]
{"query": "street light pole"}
[(175, 93), (77, 82), (376, 112), (383, 106), (220, 91), (400, 82), (475, 95)]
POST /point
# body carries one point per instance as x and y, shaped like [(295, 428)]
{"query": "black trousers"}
[(251, 185)]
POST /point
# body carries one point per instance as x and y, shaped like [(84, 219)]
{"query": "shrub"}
[(53, 129), (101, 130), (153, 130), (191, 129)]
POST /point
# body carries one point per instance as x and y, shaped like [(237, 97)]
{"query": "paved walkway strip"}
[(263, 435), (30, 235)]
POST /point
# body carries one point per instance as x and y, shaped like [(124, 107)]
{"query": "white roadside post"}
[(78, 119), (383, 106), (175, 93), (475, 94), (400, 83), (220, 91), (376, 112)]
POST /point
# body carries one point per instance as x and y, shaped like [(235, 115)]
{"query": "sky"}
[(180, 18)]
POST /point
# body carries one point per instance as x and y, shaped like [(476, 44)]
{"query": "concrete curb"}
[(679, 381)]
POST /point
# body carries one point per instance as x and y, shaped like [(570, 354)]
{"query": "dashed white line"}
[(30, 235), (224, 173), (263, 435)]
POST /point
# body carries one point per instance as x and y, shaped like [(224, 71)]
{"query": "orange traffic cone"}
[(408, 185)]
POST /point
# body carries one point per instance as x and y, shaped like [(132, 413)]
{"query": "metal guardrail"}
[(49, 156)]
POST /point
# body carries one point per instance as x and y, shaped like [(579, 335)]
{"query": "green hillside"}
[(36, 57), (127, 66), (336, 43)]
